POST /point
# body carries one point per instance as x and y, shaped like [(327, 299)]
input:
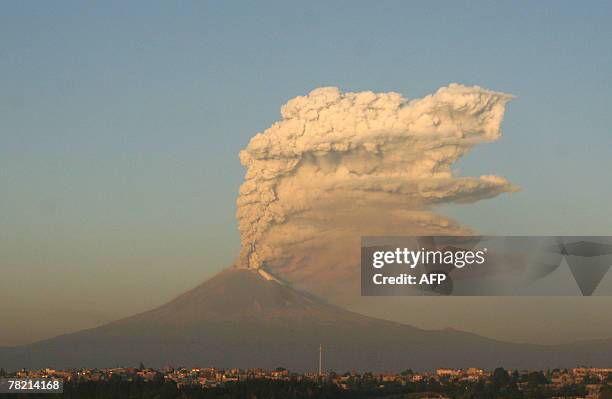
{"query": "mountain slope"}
[(241, 319)]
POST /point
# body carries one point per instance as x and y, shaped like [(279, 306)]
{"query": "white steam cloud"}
[(341, 165)]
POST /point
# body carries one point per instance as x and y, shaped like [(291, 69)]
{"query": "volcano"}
[(246, 318)]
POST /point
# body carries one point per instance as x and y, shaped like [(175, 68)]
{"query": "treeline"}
[(500, 385), (138, 389)]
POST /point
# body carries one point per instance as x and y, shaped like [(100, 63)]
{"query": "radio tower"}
[(320, 359)]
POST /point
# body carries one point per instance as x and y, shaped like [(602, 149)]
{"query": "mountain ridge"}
[(239, 318)]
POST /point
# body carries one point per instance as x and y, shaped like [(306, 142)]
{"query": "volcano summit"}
[(335, 167), (243, 318)]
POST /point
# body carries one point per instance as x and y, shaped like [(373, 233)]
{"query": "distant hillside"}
[(241, 319)]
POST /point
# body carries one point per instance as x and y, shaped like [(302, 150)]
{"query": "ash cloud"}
[(341, 165)]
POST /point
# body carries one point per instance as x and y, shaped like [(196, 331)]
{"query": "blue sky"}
[(122, 123)]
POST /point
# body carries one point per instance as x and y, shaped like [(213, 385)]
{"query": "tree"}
[(158, 379), (536, 378), (606, 392), (590, 379), (500, 377), (141, 367)]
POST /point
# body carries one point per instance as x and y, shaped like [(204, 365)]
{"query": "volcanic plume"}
[(335, 167), (341, 165)]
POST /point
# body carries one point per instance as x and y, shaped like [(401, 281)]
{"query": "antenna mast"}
[(320, 359)]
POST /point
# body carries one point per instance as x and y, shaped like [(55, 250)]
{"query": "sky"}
[(121, 124)]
